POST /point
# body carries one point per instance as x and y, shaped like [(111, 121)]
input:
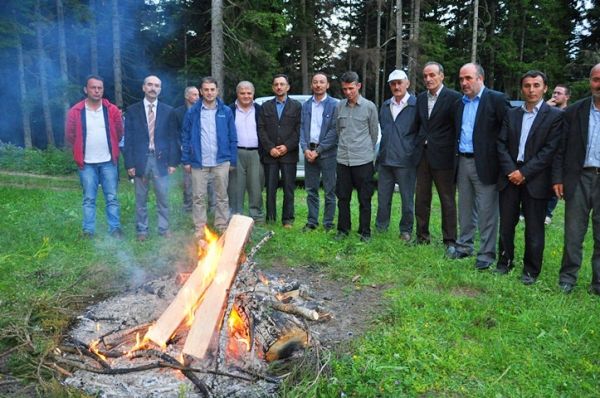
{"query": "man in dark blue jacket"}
[(318, 140), (209, 151), (151, 153), (397, 161)]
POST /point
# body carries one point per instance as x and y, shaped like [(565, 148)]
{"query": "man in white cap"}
[(396, 161)]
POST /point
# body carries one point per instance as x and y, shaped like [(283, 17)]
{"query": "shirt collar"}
[(281, 102), (536, 108), (88, 108), (593, 107), (319, 102), (238, 107), (403, 101), (146, 103), (466, 99), (207, 108), (437, 93)]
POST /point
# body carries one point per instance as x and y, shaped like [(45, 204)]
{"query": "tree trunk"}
[(365, 56), (43, 78), (217, 50), (117, 68), (414, 43), (475, 25), (399, 34), (377, 58), (304, 48), (62, 53), (25, 109), (93, 39)]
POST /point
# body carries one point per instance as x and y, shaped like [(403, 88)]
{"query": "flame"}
[(209, 260), (94, 349), (97, 326), (239, 333)]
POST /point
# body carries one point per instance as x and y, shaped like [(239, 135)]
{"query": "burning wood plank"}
[(186, 300), (209, 313)]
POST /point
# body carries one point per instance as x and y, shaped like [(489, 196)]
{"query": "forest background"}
[(48, 47)]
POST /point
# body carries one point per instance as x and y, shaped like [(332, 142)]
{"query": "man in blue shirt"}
[(479, 120), (576, 177), (209, 151)]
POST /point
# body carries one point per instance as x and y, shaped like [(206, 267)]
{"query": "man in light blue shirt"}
[(209, 152), (576, 176)]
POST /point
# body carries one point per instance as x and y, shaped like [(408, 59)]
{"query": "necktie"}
[(151, 122)]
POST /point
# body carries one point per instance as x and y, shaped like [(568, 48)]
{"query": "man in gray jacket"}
[(397, 163), (357, 129)]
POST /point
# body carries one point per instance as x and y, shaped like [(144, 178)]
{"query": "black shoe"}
[(528, 279), (309, 227), (595, 290), (87, 235), (457, 255), (340, 235), (566, 287), (365, 238), (117, 234), (482, 265), (420, 241), (504, 266), (328, 227)]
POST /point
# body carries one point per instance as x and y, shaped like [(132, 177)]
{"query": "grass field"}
[(446, 331)]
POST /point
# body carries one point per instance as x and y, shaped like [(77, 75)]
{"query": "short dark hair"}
[(350, 77), (209, 79), (287, 79), (534, 73), (440, 67), (95, 77), (321, 73), (567, 89)]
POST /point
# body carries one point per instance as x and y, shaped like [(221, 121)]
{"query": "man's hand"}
[(516, 177), (551, 102), (282, 149), (231, 168), (171, 170), (274, 152), (131, 172), (558, 190), (311, 156), (187, 168)]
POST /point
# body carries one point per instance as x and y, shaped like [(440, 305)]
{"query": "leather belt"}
[(468, 155), (595, 170), (248, 148), (312, 146)]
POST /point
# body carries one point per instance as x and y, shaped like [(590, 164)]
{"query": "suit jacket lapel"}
[(538, 120), (584, 121), (437, 105), (482, 103)]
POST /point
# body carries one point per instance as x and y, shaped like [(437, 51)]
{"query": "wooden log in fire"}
[(209, 314)]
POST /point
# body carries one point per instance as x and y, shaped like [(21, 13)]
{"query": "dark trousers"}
[(288, 177), (348, 178), (322, 169), (585, 201), (512, 198), (388, 178), (445, 185)]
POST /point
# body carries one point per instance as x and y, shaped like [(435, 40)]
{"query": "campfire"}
[(224, 323)]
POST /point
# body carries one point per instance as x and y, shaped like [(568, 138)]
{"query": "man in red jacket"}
[(94, 128)]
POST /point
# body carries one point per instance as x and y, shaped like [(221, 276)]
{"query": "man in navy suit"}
[(318, 140), (151, 152), (527, 144), (576, 175), (279, 135), (479, 119)]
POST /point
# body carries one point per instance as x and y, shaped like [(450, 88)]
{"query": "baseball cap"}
[(397, 75)]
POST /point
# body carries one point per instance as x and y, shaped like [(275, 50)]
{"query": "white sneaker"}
[(548, 220)]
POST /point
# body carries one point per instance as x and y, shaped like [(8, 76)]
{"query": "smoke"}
[(143, 33)]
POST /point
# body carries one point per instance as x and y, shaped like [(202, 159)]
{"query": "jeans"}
[(106, 175), (324, 169)]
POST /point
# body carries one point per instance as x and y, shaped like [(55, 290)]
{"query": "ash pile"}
[(224, 341)]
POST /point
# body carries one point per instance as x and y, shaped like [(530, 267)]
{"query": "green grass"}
[(446, 330)]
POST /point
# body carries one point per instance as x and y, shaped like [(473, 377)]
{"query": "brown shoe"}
[(287, 226), (142, 237)]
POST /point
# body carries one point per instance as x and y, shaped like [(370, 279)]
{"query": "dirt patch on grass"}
[(354, 306), (465, 291)]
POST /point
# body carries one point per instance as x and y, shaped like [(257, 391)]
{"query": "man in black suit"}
[(437, 135), (527, 145), (479, 120), (576, 175), (151, 152), (279, 135)]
